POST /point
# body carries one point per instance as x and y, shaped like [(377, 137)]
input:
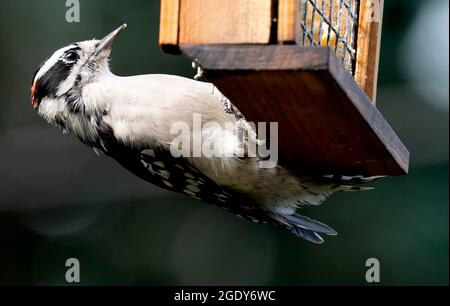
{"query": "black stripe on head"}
[(38, 69), (48, 84)]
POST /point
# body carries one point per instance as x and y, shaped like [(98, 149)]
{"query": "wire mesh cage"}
[(332, 23)]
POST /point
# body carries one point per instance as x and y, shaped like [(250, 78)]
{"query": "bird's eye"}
[(71, 56)]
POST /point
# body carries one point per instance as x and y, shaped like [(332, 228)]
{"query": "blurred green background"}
[(59, 200)]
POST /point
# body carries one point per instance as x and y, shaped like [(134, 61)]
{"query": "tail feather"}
[(308, 235), (351, 180), (304, 227), (309, 224), (347, 188), (349, 183)]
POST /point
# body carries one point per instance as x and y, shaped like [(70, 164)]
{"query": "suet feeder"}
[(310, 65)]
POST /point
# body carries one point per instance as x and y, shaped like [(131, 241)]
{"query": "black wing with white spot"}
[(160, 168)]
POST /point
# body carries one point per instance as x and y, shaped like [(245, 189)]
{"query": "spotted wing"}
[(159, 167)]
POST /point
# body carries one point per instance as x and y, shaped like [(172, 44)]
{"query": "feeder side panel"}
[(287, 17), (169, 24), (225, 21)]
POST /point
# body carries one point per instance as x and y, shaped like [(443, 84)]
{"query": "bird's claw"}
[(199, 74)]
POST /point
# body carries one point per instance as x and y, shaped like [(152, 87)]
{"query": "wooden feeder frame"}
[(328, 121)]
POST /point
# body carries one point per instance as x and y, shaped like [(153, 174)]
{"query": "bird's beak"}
[(106, 43)]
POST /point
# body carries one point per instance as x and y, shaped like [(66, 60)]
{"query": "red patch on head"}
[(34, 100)]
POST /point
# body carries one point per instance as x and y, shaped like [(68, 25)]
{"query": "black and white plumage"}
[(129, 119)]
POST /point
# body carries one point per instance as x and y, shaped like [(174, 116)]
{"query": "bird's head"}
[(70, 68)]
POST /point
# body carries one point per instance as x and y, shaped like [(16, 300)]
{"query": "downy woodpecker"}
[(129, 119)]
